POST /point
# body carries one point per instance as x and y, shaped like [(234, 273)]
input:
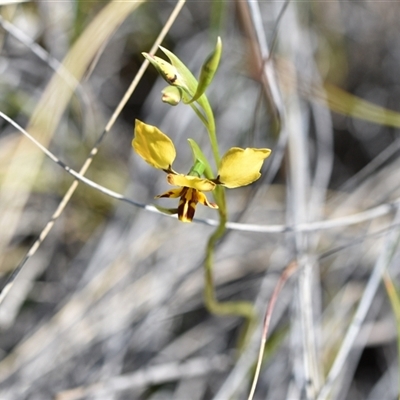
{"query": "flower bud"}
[(171, 95)]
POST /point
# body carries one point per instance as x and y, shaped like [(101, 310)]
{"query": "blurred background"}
[(110, 306)]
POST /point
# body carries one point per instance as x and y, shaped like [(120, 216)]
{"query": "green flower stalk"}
[(237, 167)]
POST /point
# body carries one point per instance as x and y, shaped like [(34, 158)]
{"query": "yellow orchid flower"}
[(238, 167), (188, 199)]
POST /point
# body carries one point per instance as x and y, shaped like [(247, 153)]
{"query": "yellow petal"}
[(172, 194), (153, 146), (193, 182), (240, 167), (201, 197)]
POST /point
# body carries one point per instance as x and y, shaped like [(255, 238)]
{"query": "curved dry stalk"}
[(93, 152), (286, 274)]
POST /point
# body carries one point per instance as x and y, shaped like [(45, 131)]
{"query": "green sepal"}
[(199, 155), (208, 70), (168, 211)]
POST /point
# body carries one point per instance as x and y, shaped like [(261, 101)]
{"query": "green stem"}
[(212, 134), (238, 308), (199, 114)]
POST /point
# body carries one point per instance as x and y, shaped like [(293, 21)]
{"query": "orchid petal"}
[(171, 194), (240, 167), (153, 146), (203, 200), (189, 181)]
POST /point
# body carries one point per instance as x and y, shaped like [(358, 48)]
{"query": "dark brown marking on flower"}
[(169, 180), (182, 209), (173, 79), (191, 210), (216, 181), (187, 204), (165, 195), (164, 66)]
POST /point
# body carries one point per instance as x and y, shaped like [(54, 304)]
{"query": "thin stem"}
[(212, 134), (240, 308), (199, 114), (286, 274)]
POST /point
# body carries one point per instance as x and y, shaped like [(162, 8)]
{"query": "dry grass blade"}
[(71, 59), (155, 375), (393, 295), (383, 262), (40, 52), (252, 21), (50, 108)]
